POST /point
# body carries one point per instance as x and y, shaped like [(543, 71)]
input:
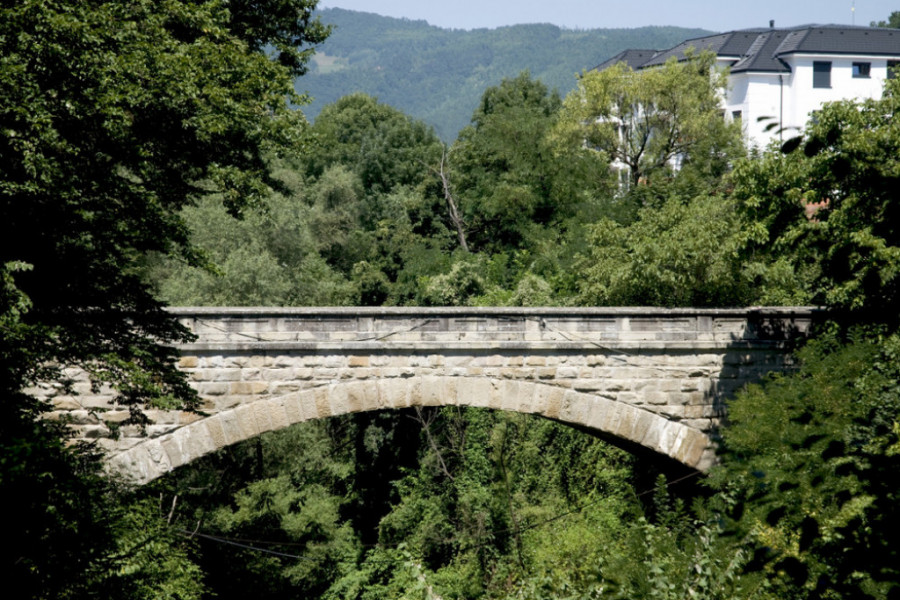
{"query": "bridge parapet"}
[(624, 328), (652, 377)]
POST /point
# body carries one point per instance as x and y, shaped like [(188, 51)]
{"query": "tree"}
[(385, 147), (513, 185), (810, 458), (682, 253), (831, 208), (649, 121), (893, 21), (113, 116)]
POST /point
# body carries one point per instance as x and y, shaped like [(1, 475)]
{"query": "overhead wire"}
[(248, 544)]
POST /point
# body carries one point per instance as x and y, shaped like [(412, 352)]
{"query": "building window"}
[(861, 70), (736, 116), (821, 74), (893, 65)]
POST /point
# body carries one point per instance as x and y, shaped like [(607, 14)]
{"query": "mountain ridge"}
[(438, 75)]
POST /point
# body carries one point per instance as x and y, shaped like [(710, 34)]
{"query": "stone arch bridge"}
[(655, 378)]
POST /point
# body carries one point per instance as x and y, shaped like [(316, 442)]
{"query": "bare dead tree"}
[(425, 420), (452, 209)]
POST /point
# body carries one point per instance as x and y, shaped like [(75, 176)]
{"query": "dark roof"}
[(763, 55), (633, 58), (730, 44), (839, 39), (762, 49)]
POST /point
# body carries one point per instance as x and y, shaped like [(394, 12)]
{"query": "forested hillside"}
[(437, 75)]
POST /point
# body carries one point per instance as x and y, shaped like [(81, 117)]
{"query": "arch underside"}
[(154, 457)]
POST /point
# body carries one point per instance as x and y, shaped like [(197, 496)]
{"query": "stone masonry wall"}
[(653, 377)]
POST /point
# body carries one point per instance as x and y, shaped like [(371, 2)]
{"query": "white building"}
[(781, 76)]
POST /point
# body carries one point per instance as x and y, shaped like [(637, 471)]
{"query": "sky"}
[(715, 15)]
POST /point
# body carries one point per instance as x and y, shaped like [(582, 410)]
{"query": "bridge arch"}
[(651, 377), (154, 457)]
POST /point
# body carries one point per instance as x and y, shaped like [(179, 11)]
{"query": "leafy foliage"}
[(679, 254), (113, 117), (451, 502), (650, 121), (107, 133), (830, 209), (812, 457), (514, 185), (893, 21)]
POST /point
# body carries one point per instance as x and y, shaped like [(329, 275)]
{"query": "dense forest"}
[(437, 75), (162, 161)]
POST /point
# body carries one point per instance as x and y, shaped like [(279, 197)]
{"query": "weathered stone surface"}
[(655, 377)]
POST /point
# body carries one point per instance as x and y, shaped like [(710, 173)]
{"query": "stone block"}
[(274, 374), (309, 404), (588, 385), (91, 432), (392, 392), (236, 361), (599, 413), (494, 360), (548, 400), (218, 375), (245, 418), (213, 389), (595, 360), (525, 399), (248, 388), (475, 391), (671, 411), (656, 398), (172, 445), (575, 407), (303, 373), (139, 464), (216, 431), (65, 403), (616, 412), (115, 416), (450, 392), (693, 450), (356, 396), (358, 361), (635, 425), (188, 362), (700, 424), (75, 417), (283, 360), (545, 373), (337, 400), (254, 373), (509, 395), (282, 388)]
